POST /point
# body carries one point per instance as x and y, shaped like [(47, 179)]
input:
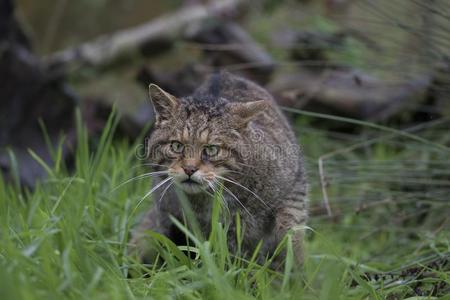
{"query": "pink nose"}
[(189, 170)]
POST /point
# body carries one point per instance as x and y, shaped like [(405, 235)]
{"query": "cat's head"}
[(200, 140)]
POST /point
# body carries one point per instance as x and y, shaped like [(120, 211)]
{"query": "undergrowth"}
[(386, 235)]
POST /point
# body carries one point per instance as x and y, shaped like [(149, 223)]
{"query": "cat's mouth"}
[(189, 181), (191, 186)]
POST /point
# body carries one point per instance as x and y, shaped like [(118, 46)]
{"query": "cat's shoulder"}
[(231, 87)]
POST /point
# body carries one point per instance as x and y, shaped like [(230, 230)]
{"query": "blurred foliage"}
[(388, 193), (68, 237), (56, 24)]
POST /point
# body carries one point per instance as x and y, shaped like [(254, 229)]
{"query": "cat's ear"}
[(163, 102), (244, 112)]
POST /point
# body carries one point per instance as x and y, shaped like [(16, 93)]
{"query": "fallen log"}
[(109, 47), (348, 92)]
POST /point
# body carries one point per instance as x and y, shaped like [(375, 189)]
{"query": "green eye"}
[(211, 150), (176, 147)]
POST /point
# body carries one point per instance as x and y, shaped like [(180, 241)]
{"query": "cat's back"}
[(231, 87), (224, 85)]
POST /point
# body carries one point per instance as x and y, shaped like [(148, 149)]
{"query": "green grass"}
[(388, 192)]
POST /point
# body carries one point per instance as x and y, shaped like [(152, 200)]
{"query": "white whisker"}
[(216, 192), (210, 184), (240, 185), (156, 187), (164, 191), (149, 193), (151, 174), (236, 198)]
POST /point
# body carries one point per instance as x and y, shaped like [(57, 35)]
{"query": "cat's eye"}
[(211, 150), (176, 147)]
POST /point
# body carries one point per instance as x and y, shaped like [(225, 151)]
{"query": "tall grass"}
[(68, 237)]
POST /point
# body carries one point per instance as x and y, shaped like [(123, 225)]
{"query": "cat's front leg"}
[(141, 244), (291, 217)]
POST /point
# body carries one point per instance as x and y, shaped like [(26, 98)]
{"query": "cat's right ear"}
[(164, 103)]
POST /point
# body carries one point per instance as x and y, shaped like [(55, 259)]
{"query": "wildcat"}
[(228, 135)]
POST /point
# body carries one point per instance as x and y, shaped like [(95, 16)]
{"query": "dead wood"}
[(108, 48), (349, 92)]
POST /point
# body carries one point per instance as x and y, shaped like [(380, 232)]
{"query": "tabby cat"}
[(229, 136)]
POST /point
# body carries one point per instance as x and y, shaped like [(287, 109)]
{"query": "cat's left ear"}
[(163, 102), (244, 112)]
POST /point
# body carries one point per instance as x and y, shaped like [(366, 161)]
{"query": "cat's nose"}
[(189, 170)]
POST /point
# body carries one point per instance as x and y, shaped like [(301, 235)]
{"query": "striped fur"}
[(259, 157)]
